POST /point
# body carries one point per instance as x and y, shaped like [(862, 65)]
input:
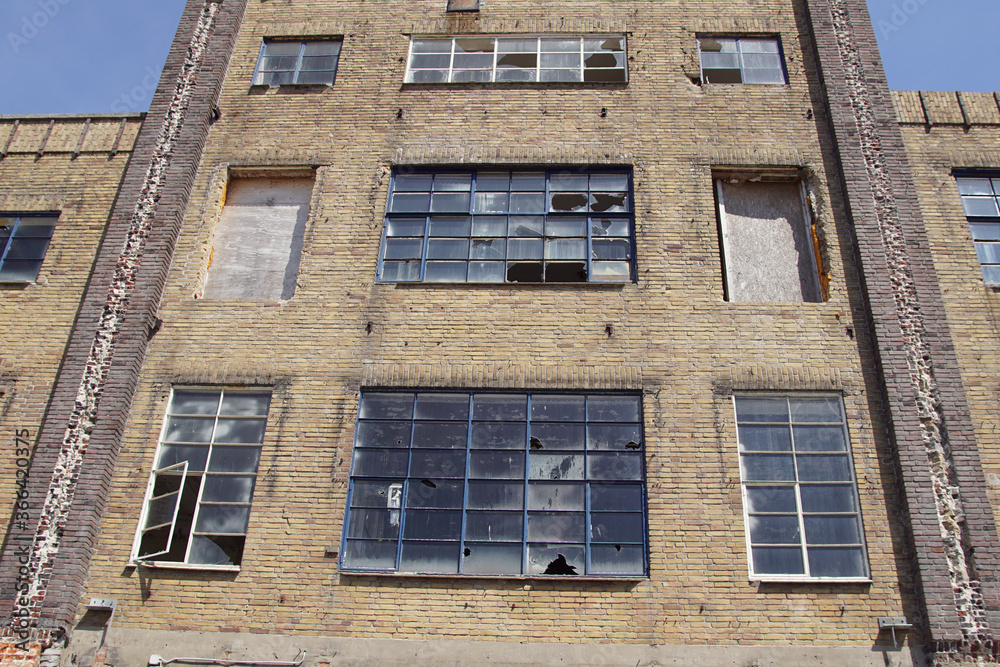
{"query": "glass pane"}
[(816, 410), (524, 181), (832, 530), (324, 77), (496, 495), (160, 510), (432, 525), (32, 226), (467, 75), (234, 459), (770, 499), (489, 226), (373, 494), (763, 76), (492, 559), (412, 182), (612, 437), (609, 202), (498, 436), (429, 558), (19, 271), (566, 227), (245, 404), (980, 206), (558, 559), (473, 61), (617, 559), (615, 466), (171, 454), (499, 407), (431, 46), (282, 48), (27, 249), (327, 47), (524, 249), (370, 555), (386, 406), (616, 527), (556, 466), (974, 186), (527, 226), (569, 201), (380, 462), (452, 182), (777, 560), (428, 76), (445, 272), (401, 271), (758, 46), (557, 436), (560, 44), (448, 249), (249, 431), (609, 227), (616, 497), (442, 406), (751, 409), (433, 463), (755, 438), (450, 202), (189, 429), (613, 408), (405, 227), (195, 402), (774, 529), (717, 45), (450, 226), (228, 488), (991, 274), (556, 527), (819, 468), (819, 439), (453, 435), (602, 60), (836, 562), (518, 60), (495, 249), (383, 434), (374, 524), (410, 203), (497, 465), (493, 181), (988, 253), (217, 549), (222, 519), (491, 202), (553, 497), (435, 494), (474, 45), (404, 248), (612, 249), (495, 526), (527, 202), (527, 45), (762, 467), (552, 407), (618, 272), (828, 498)]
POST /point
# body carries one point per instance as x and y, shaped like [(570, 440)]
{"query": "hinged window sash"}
[(161, 509)]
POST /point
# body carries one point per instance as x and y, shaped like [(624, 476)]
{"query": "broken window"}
[(285, 62), (497, 484), (741, 60), (23, 242), (767, 241), (509, 226), (258, 240), (197, 504), (517, 59), (981, 200), (800, 497)]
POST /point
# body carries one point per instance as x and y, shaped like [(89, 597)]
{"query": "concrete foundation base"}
[(133, 648)]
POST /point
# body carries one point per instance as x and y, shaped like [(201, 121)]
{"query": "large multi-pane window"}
[(517, 59), (496, 226), (198, 500), (284, 62), (741, 60), (800, 496), (488, 483), (981, 200), (23, 242)]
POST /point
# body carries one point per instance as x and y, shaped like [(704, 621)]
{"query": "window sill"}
[(810, 580), (259, 88), (526, 578), (506, 85), (598, 285), (168, 565)]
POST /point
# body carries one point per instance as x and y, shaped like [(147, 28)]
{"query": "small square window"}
[(23, 242), (286, 62), (463, 5), (800, 497), (501, 484), (981, 200), (741, 60), (197, 505)]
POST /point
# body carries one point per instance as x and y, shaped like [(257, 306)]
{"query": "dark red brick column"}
[(951, 521), (79, 442)]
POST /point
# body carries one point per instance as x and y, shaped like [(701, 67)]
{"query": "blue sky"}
[(101, 56)]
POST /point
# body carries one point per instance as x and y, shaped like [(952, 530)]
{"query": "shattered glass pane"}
[(494, 249), (525, 272), (558, 559), (557, 436), (614, 437), (217, 549), (435, 494), (520, 60), (475, 45), (556, 466), (609, 202), (486, 272), (527, 225), (568, 201), (617, 559)]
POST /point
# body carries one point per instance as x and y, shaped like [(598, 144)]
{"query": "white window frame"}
[(739, 39), (796, 485), (150, 559), (990, 270)]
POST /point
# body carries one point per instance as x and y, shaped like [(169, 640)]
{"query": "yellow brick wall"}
[(675, 338)]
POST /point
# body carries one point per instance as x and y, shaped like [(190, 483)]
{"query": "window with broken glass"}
[(23, 242), (504, 484), (741, 60), (509, 226), (800, 497), (285, 62), (520, 59), (197, 504), (981, 199)]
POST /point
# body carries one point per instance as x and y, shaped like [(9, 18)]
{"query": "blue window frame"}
[(23, 242), (981, 200), (285, 62), (502, 484), (502, 226)]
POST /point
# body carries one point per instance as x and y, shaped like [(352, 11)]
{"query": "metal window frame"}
[(450, 70), (739, 53), (524, 543), (979, 219), (5, 249), (629, 216), (302, 42), (150, 560), (796, 484)]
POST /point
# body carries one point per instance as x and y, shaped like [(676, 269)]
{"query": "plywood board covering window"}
[(258, 241), (766, 240)]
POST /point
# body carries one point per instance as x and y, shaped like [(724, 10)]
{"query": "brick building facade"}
[(525, 333)]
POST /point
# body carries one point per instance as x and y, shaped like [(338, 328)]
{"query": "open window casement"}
[(766, 234), (163, 499)]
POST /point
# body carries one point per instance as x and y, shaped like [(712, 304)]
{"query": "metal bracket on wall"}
[(103, 604), (893, 623)]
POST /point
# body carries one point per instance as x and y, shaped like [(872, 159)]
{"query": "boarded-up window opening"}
[(767, 242), (258, 240)]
